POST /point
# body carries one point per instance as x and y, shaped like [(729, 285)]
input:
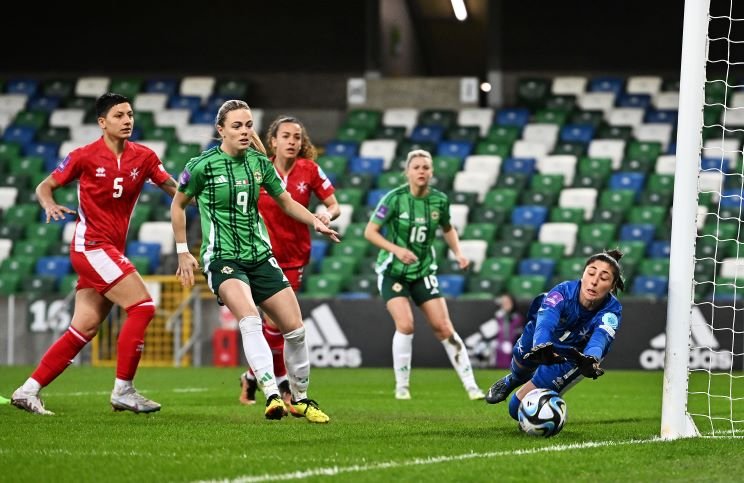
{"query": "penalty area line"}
[(385, 465)]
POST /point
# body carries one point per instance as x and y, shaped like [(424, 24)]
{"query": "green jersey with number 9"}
[(411, 222), (226, 190)]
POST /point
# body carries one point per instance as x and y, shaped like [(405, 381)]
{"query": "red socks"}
[(132, 338), (59, 356)]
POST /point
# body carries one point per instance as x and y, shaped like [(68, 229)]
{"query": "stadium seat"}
[(451, 285), (637, 231), (654, 215), (615, 215), (479, 231), (427, 133), (54, 266), (530, 149), (519, 165), (480, 284), (322, 285), (627, 180), (532, 91), (538, 197), (563, 233), (560, 214), (552, 116), (553, 251), (459, 216), (492, 148), (92, 86), (390, 179), (659, 249), (379, 148), (517, 117), (393, 133), (472, 182), (626, 116), (585, 198), (405, 117), (151, 250), (653, 286), (199, 86), (537, 266), (542, 133), (469, 134), (581, 133), (569, 85), (501, 267), (6, 248), (333, 165), (600, 233), (487, 166), (473, 250), (606, 84), (476, 116), (596, 101), (344, 265), (9, 283), (547, 182), (347, 149), (515, 248), (373, 166), (503, 134), (366, 283), (368, 119), (526, 287), (660, 267), (8, 197), (458, 149), (613, 149), (531, 215)]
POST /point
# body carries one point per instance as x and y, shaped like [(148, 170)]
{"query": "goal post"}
[(675, 420)]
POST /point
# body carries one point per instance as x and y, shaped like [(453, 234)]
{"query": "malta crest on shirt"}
[(134, 173)]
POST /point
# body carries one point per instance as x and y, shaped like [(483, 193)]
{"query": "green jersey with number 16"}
[(226, 190), (411, 222)]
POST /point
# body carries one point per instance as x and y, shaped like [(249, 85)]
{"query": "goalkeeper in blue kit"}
[(569, 331)]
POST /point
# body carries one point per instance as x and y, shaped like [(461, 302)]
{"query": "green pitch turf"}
[(203, 433)]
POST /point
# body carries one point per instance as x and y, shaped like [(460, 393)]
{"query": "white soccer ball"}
[(542, 412)]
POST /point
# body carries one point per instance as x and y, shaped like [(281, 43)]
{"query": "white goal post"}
[(675, 421), (703, 388)]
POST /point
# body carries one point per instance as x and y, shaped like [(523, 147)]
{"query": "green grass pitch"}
[(204, 434)]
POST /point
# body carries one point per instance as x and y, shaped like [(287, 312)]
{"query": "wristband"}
[(182, 248)]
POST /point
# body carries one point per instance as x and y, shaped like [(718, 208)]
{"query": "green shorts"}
[(420, 290), (265, 278)]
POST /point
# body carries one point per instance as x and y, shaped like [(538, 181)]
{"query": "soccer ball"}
[(542, 412)]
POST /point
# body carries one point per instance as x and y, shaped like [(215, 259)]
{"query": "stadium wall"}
[(357, 333)]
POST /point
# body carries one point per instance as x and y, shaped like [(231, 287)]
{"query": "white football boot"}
[(131, 400), (29, 402)]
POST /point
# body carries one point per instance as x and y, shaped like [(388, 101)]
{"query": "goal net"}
[(703, 382)]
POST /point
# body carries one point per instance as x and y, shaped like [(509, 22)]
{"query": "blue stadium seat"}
[(634, 100), (518, 165), (375, 195), (451, 285), (318, 251), (644, 232), (715, 164), (19, 134), (360, 164), (650, 285), (518, 116), (54, 266), (203, 116), (667, 116), (48, 151), (533, 215), (165, 86), (659, 249), (22, 86), (192, 103), (458, 149), (606, 84), (731, 198), (348, 149), (577, 133), (427, 134), (537, 266), (43, 103), (150, 250), (627, 180)]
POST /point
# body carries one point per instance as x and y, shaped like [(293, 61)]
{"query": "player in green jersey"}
[(236, 253), (407, 268)]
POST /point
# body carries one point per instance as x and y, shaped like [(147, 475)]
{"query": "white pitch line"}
[(385, 465), (103, 393)]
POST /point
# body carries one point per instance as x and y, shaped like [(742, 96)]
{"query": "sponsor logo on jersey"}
[(326, 341), (185, 177), (61, 166), (553, 299), (705, 352), (100, 172), (381, 212)]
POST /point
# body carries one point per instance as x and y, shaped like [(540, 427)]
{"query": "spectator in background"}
[(569, 331), (510, 324), (293, 155), (236, 252), (111, 173), (406, 265)]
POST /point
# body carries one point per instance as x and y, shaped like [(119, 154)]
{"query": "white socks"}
[(121, 386), (258, 354), (402, 354), (458, 356), (31, 386), (298, 362)]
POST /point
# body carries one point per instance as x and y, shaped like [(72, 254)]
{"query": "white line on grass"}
[(385, 465), (103, 393)]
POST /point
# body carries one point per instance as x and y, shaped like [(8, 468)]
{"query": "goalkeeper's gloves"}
[(588, 365), (544, 354)]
